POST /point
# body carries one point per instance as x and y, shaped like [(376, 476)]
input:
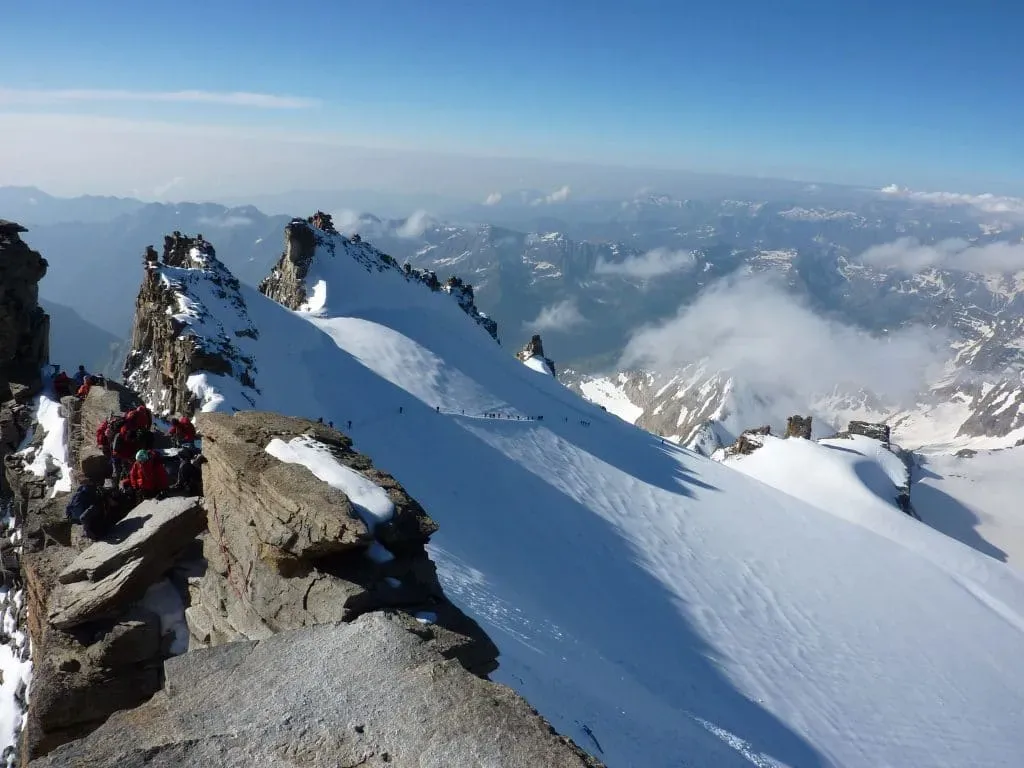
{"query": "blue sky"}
[(918, 93)]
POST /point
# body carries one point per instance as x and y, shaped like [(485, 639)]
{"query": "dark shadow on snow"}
[(949, 516), (508, 517)]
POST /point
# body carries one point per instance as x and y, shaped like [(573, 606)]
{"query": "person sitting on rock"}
[(83, 391), (190, 478), (183, 431), (148, 477), (80, 376), (87, 507), (63, 386)]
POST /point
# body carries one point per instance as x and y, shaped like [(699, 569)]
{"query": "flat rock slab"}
[(111, 574), (367, 693), (152, 525)]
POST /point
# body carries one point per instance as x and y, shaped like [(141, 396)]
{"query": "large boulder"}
[(366, 693), (110, 574), (286, 550)]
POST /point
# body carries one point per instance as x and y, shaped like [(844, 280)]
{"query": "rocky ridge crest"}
[(316, 237), (175, 336)]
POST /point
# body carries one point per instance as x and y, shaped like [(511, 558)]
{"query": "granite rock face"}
[(286, 550), (367, 693)]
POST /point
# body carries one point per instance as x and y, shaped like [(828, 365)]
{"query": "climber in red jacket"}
[(148, 476), (63, 386), (122, 452), (140, 418), (183, 431)]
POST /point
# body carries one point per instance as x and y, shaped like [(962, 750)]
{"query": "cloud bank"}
[(563, 316), (493, 199), (16, 96), (560, 195), (415, 225), (752, 328), (909, 255), (660, 261), (986, 203)]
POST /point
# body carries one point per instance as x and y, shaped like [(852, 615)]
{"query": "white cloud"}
[(752, 328), (16, 96), (560, 195), (224, 222), (909, 255), (347, 221), (162, 189), (415, 225), (985, 203), (493, 199), (660, 261), (563, 316)]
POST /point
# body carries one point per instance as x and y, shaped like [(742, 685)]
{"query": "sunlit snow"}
[(666, 607)]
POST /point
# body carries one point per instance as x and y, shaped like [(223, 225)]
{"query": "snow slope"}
[(659, 608), (976, 499)]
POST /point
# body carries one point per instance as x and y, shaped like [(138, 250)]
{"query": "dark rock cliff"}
[(24, 326)]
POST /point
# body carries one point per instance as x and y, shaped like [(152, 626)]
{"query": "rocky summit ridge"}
[(271, 620)]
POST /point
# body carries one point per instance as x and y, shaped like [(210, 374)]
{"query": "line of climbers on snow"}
[(491, 415), (138, 455)]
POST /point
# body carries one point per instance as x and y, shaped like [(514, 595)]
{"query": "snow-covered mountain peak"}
[(191, 322), (325, 273)]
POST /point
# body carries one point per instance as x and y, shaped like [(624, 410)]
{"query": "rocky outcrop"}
[(534, 349), (878, 432), (368, 693), (286, 550), (748, 441), (286, 284), (135, 554), (24, 337), (176, 335), (799, 426), (84, 673), (24, 326), (315, 237), (462, 292)]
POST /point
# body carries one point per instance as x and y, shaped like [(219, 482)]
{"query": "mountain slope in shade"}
[(660, 608)]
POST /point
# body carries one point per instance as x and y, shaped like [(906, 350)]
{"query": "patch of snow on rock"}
[(368, 498)]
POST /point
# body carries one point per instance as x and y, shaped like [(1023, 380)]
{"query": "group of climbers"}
[(78, 385), (137, 469)]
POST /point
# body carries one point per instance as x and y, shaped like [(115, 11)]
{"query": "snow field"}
[(659, 608)]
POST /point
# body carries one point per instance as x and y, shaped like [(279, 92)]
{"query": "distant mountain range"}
[(591, 273)]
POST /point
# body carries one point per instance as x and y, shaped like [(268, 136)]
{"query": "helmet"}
[(142, 456)]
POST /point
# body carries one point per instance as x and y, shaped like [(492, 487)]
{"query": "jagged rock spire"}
[(534, 348)]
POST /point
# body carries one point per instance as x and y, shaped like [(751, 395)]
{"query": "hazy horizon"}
[(419, 100)]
